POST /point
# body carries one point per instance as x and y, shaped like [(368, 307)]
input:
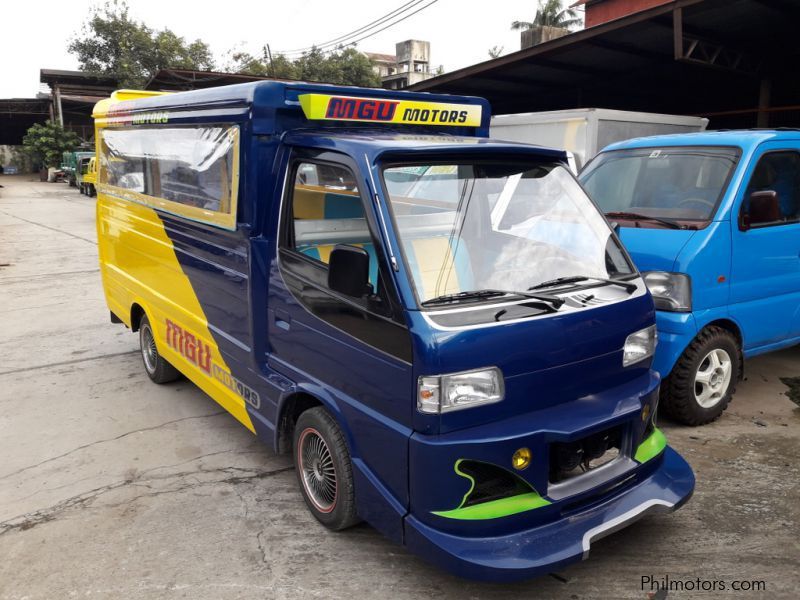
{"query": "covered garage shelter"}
[(736, 62)]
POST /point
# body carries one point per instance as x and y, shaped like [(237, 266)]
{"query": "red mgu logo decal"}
[(362, 109)]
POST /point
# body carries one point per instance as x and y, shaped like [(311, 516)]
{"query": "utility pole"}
[(268, 52)]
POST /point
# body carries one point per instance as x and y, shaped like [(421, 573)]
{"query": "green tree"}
[(279, 67), (550, 13), (495, 51), (113, 43), (46, 143), (344, 66)]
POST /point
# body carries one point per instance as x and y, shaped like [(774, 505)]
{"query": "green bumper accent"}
[(651, 447), (496, 508)]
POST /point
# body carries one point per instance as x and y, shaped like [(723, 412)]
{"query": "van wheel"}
[(92, 193), (703, 380), (155, 365), (324, 471)]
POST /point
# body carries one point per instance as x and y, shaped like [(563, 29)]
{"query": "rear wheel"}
[(704, 379), (324, 471), (91, 191), (155, 365)]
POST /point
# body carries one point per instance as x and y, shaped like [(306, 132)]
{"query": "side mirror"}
[(348, 271), (763, 208)]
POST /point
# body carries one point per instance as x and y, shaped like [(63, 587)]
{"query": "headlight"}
[(639, 345), (443, 393), (671, 291)]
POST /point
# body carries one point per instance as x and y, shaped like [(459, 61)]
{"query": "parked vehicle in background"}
[(713, 221), (86, 175), (69, 165), (584, 131), (442, 328)]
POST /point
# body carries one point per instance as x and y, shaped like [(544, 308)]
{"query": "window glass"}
[(191, 166), (326, 211), (478, 226), (773, 193), (683, 183)]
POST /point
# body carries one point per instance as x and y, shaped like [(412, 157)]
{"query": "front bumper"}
[(549, 546), (675, 333)]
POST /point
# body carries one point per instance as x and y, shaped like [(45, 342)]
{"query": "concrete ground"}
[(113, 487)]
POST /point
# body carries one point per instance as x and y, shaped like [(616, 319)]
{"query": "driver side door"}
[(765, 274)]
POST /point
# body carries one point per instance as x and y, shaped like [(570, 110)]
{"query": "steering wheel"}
[(708, 203)]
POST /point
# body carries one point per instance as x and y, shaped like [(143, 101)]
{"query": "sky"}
[(35, 35)]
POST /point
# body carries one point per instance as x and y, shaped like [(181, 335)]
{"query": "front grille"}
[(572, 459)]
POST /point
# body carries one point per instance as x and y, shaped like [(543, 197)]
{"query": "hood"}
[(545, 361), (655, 249)]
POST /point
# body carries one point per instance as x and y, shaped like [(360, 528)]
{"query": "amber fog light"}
[(521, 459)]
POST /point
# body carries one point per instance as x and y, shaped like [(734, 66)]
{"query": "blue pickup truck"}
[(713, 221)]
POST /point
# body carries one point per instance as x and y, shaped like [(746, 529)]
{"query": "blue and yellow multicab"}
[(225, 314)]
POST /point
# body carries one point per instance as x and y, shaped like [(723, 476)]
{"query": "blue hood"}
[(655, 249)]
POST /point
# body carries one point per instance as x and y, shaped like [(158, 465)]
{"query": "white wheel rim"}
[(713, 378)]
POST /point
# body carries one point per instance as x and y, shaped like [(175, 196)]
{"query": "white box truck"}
[(586, 131)]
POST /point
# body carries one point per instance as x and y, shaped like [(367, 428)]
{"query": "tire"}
[(324, 471), (702, 382), (155, 365), (92, 193)]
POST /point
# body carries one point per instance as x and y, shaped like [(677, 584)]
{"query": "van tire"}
[(155, 365), (318, 438), (678, 391)]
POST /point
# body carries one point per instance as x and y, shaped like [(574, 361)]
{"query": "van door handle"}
[(283, 319)]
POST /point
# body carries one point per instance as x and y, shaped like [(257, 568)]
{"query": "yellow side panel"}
[(138, 265)]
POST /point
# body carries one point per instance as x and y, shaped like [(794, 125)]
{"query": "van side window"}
[(327, 210), (191, 171), (773, 194)]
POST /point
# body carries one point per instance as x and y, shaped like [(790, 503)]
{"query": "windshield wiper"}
[(640, 217), (629, 287), (554, 301)]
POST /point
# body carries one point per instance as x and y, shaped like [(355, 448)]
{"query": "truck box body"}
[(586, 131)]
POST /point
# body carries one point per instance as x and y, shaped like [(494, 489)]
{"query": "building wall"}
[(602, 11), (13, 156)]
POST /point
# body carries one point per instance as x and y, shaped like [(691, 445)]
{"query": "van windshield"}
[(677, 183), (497, 226)]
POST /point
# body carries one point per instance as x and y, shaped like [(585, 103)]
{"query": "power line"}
[(378, 21), (344, 39), (392, 24)]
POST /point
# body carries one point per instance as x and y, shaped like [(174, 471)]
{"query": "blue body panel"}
[(563, 372), (748, 281)]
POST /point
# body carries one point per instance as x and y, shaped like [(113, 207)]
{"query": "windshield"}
[(680, 183), (488, 226)]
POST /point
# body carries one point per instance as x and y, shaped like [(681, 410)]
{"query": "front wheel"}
[(324, 471), (155, 365), (703, 380)]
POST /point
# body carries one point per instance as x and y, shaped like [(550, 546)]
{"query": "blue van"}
[(713, 221), (441, 329)]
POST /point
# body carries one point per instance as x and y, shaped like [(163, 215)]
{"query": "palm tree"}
[(550, 14)]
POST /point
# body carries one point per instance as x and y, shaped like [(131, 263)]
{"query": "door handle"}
[(283, 319)]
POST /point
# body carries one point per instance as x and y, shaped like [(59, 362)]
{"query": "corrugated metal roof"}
[(632, 64)]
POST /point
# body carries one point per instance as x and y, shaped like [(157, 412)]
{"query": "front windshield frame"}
[(467, 160), (696, 224)]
